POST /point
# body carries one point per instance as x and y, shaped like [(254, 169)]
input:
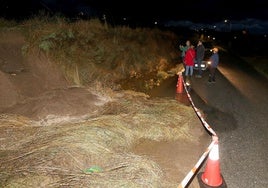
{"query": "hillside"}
[(58, 130)]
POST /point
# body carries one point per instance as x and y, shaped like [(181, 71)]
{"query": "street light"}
[(229, 25)]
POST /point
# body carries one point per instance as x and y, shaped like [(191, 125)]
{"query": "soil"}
[(35, 88)]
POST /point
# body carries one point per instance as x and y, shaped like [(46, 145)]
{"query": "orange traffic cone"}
[(180, 83), (212, 176)]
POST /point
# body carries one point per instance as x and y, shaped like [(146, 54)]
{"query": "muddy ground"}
[(56, 134)]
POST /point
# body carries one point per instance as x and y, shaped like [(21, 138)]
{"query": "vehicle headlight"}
[(209, 62)]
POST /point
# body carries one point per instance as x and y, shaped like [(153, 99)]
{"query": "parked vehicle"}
[(204, 65)]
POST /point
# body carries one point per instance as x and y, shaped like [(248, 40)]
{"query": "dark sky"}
[(194, 10)]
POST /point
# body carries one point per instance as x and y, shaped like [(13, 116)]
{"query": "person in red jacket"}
[(189, 61)]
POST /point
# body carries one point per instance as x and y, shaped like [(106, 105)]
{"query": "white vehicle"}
[(204, 65)]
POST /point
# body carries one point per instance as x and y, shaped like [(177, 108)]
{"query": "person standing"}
[(189, 59), (184, 49), (214, 62), (200, 53)]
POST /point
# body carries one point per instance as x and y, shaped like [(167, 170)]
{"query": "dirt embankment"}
[(35, 87), (56, 135)]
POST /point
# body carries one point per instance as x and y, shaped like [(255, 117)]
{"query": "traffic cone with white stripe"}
[(180, 83), (211, 177)]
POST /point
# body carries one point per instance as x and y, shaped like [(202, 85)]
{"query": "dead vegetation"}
[(66, 121), (92, 152)]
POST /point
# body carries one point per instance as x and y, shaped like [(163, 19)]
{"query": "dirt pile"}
[(35, 87), (54, 134)]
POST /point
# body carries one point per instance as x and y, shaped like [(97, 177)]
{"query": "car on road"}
[(204, 65), (208, 52)]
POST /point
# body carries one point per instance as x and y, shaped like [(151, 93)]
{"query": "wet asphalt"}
[(236, 107)]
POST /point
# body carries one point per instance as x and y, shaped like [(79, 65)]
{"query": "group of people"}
[(190, 55)]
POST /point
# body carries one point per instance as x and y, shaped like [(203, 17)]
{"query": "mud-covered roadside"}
[(54, 134)]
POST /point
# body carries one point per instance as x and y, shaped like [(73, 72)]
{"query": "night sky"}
[(142, 12), (194, 10)]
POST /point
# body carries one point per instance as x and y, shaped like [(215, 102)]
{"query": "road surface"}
[(237, 109)]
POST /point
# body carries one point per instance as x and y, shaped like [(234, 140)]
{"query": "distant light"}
[(214, 38), (155, 23), (214, 26), (265, 36), (208, 36), (225, 21), (125, 19), (235, 37)]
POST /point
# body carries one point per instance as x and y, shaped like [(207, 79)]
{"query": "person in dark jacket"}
[(214, 62), (200, 53)]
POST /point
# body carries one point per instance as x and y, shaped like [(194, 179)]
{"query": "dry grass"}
[(89, 50), (91, 152), (95, 150), (259, 63)]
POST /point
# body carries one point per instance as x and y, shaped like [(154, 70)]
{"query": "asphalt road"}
[(236, 108)]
